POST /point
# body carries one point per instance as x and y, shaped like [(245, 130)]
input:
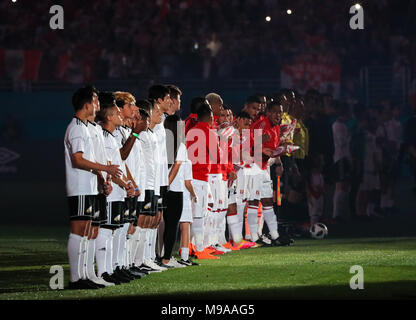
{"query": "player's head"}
[(243, 120), (223, 117), (274, 112), (263, 101), (85, 99), (175, 96), (204, 113), (215, 102), (252, 106), (145, 110), (156, 116), (229, 113), (127, 104), (109, 112), (298, 110), (287, 98), (195, 103), (161, 95)]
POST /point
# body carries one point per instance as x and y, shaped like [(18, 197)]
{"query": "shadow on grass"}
[(385, 290)]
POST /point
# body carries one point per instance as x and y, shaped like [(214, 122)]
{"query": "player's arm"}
[(128, 145), (174, 171), (130, 178), (189, 186), (79, 162)]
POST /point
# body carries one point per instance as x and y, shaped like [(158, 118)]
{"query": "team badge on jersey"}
[(96, 214), (89, 210)]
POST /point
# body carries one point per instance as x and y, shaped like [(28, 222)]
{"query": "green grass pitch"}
[(311, 269)]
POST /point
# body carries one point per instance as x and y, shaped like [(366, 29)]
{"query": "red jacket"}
[(203, 150), (274, 133)]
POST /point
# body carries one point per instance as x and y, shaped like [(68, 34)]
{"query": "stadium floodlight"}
[(288, 11), (357, 6), (268, 18), (14, 1)]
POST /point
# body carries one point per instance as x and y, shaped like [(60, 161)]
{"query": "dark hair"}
[(82, 96), (243, 115), (158, 91), (226, 107), (253, 99), (143, 114), (174, 91), (203, 111), (195, 103), (272, 104), (106, 99), (171, 123), (145, 104)]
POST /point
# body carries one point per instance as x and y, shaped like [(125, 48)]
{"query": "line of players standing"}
[(135, 172)]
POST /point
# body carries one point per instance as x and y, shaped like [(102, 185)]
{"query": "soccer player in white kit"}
[(81, 184)]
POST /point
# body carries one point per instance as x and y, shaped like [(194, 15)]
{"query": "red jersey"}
[(203, 150), (274, 133)]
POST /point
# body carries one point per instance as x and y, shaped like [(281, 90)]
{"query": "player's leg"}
[(80, 213)]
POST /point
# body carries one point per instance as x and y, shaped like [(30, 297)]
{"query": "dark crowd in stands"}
[(206, 38)]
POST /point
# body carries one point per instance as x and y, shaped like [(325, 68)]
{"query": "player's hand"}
[(137, 192), (265, 137), (268, 152), (194, 198), (232, 176), (130, 190), (108, 188), (113, 169), (279, 170), (139, 126)]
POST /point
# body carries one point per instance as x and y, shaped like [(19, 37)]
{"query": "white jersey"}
[(113, 152), (78, 139), (97, 137), (149, 146), (178, 184), (160, 132)]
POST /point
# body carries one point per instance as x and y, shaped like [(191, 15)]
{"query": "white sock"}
[(222, 239), (90, 260), (253, 222), (84, 256), (123, 245), (185, 254), (271, 221), (233, 226), (116, 248), (102, 251), (109, 252), (197, 230), (74, 256), (134, 241), (207, 229), (153, 244), (141, 243), (148, 245)]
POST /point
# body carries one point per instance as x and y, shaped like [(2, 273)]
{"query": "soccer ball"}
[(318, 231)]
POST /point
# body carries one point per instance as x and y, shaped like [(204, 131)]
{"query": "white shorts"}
[(241, 188), (223, 204), (216, 186), (202, 191), (186, 215), (260, 184)]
